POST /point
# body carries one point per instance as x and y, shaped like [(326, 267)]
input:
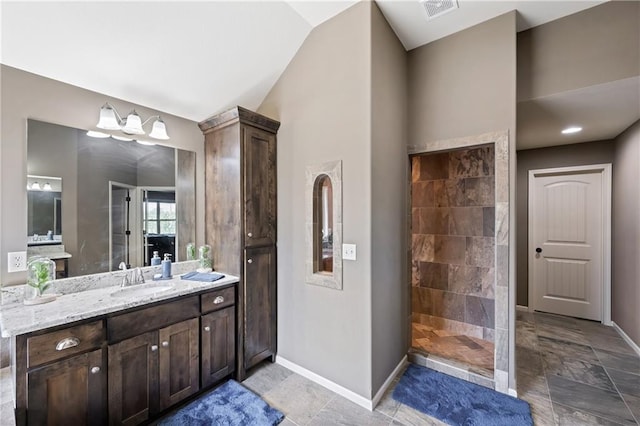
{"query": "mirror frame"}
[(333, 171)]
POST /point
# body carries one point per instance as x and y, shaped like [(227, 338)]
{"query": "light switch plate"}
[(348, 252)]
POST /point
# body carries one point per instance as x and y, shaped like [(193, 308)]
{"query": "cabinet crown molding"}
[(242, 115)]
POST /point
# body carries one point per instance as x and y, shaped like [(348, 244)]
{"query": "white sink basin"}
[(141, 290)]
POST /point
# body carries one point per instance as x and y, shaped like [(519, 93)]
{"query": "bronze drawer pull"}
[(218, 300), (67, 343)]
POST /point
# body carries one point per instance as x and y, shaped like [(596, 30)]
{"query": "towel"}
[(200, 276)]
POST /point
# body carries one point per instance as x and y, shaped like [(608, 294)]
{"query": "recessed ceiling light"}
[(572, 129), (95, 134)]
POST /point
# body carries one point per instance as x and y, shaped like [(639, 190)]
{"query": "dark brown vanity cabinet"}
[(61, 378), (241, 212), (68, 392), (126, 368), (218, 331)]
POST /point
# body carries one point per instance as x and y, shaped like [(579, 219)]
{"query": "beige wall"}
[(464, 84), (581, 154), (389, 283), (323, 101), (26, 95), (591, 47), (625, 287)]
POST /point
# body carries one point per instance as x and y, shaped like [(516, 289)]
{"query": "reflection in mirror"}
[(44, 209), (107, 203), (323, 237), (323, 224)]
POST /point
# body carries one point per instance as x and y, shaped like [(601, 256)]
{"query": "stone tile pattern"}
[(453, 240), (576, 372)]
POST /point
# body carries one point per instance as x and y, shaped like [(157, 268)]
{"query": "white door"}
[(567, 214)]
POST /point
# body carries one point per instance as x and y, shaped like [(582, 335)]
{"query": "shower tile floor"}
[(471, 351)]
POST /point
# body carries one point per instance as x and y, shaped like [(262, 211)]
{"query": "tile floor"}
[(571, 372), (453, 345), (575, 372)]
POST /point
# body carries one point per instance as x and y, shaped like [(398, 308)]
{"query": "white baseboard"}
[(513, 392), (334, 387), (626, 338), (341, 390), (378, 396), (522, 308)]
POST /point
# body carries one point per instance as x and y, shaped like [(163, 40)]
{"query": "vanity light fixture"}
[(47, 187), (121, 138), (572, 129), (35, 186), (94, 134), (132, 125), (145, 142)]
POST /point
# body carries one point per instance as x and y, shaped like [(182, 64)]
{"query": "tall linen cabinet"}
[(240, 215)]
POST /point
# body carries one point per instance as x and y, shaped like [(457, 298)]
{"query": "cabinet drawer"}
[(218, 299), (137, 322), (62, 343)]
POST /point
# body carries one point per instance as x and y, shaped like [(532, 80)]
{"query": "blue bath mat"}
[(229, 405), (458, 402)]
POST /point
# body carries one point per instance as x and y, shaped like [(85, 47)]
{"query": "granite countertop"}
[(17, 318)]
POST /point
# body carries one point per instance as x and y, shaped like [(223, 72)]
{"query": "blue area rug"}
[(458, 402), (228, 405)]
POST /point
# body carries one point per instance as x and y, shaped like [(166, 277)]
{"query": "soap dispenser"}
[(166, 266), (155, 260)]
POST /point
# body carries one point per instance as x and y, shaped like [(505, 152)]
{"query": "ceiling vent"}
[(437, 8)]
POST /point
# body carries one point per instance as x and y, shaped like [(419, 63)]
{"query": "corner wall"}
[(625, 286), (390, 299), (323, 101)]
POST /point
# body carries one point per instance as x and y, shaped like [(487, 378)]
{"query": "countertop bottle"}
[(166, 266), (155, 260)]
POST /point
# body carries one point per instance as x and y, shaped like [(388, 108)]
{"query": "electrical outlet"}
[(348, 252), (17, 261)]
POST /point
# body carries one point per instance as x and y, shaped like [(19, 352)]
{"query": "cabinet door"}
[(133, 379), (179, 367), (259, 305), (68, 392), (218, 345), (259, 153)]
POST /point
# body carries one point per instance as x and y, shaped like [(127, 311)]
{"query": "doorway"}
[(569, 241)]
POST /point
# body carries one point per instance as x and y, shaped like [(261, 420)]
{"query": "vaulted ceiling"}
[(194, 59)]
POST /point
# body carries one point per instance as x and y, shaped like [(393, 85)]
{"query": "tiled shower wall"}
[(453, 244)]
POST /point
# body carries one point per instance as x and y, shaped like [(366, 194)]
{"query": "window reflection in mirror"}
[(323, 224)]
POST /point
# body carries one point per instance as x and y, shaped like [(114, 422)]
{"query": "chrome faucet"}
[(138, 278), (125, 279)]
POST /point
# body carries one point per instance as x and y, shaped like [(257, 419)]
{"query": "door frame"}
[(133, 223), (605, 171)]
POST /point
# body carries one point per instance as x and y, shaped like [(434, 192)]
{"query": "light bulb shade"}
[(159, 130), (94, 134), (108, 119), (47, 187), (35, 186), (133, 124)]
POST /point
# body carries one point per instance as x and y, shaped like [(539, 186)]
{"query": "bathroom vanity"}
[(120, 355)]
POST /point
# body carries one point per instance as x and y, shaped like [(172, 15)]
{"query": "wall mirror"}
[(121, 200), (324, 224)]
